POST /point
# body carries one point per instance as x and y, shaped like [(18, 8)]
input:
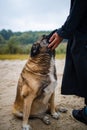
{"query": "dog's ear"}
[(34, 50)]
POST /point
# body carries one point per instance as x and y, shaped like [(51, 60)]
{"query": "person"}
[(74, 29)]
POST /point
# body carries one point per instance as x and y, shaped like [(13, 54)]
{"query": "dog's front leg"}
[(54, 114), (26, 113)]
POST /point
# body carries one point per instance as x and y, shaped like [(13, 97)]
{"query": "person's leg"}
[(80, 63), (85, 101), (86, 106), (81, 114)]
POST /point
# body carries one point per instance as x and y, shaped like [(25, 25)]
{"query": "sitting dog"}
[(36, 85)]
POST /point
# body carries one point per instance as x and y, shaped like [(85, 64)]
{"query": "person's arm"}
[(73, 20), (70, 25)]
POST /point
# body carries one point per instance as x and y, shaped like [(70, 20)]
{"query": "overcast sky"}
[(35, 15)]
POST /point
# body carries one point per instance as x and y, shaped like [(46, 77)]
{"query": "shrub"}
[(61, 49)]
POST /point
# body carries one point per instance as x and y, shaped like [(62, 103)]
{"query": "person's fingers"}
[(52, 38), (52, 43), (55, 45)]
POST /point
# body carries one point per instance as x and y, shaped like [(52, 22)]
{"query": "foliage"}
[(24, 56), (14, 56), (21, 42), (61, 49), (6, 34)]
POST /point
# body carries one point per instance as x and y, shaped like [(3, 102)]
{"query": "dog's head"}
[(41, 46)]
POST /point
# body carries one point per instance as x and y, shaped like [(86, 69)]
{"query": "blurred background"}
[(22, 22)]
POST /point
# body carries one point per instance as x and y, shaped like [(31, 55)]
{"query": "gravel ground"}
[(9, 74)]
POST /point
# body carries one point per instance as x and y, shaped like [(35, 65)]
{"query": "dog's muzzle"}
[(49, 51)]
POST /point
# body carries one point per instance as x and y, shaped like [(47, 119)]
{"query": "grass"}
[(13, 57), (23, 56), (60, 56)]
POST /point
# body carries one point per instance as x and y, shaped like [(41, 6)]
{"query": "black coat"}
[(75, 30), (76, 23)]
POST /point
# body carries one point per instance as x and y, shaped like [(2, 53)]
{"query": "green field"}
[(23, 56)]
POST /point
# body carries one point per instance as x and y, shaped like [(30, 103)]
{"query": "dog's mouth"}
[(50, 51), (44, 44)]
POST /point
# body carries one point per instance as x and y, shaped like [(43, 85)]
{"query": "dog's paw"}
[(63, 110), (26, 127), (56, 115), (46, 120)]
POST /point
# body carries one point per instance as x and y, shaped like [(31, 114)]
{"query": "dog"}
[(36, 85)]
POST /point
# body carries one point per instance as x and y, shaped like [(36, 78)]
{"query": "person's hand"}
[(54, 41)]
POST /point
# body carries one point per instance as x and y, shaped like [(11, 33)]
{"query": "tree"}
[(2, 41), (6, 34), (12, 46)]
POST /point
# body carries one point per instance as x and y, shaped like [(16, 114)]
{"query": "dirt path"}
[(9, 73)]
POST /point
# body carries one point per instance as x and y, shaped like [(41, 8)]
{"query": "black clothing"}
[(85, 101), (76, 23), (75, 72), (75, 30)]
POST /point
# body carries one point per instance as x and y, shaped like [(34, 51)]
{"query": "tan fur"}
[(34, 78)]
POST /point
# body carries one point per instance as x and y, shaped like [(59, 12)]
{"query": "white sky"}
[(35, 15)]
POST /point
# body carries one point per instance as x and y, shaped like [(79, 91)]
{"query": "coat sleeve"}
[(73, 20)]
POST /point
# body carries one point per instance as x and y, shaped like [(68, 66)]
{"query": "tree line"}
[(18, 42)]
